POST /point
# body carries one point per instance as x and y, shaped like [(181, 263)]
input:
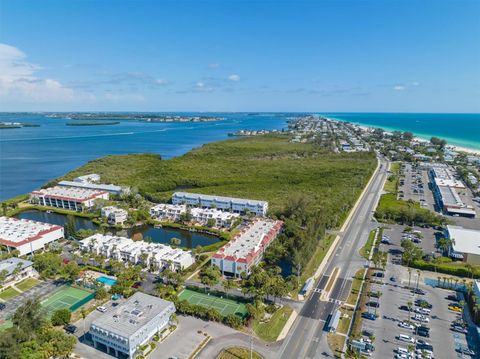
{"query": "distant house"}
[(114, 215)]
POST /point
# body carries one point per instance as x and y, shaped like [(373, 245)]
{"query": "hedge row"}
[(459, 270)]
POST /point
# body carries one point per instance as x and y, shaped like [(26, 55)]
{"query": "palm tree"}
[(409, 276), (228, 285)]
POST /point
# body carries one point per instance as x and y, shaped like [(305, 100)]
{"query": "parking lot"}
[(397, 304), (414, 186)]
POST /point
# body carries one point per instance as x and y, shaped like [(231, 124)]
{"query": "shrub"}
[(61, 317), (101, 293)]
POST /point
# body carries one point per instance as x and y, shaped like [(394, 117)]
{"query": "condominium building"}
[(247, 248), (174, 212), (153, 255), (114, 215), (72, 198), (111, 188), (124, 329), (236, 205), (27, 236)]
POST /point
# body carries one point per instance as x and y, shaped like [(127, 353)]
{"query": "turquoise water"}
[(458, 129), (106, 280)]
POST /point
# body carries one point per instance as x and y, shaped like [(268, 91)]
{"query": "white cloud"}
[(234, 78), (19, 80), (399, 88)]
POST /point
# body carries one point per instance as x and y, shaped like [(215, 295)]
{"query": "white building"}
[(173, 212), (465, 244), (154, 255), (16, 269), (247, 248), (236, 205), (72, 198), (114, 215), (132, 324), (111, 188), (27, 236)]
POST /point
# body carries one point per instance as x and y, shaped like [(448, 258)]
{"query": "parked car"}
[(102, 309), (393, 279), (421, 318), (423, 303), (369, 316), (418, 291), (406, 338), (452, 297), (379, 274), (2, 306), (459, 329), (70, 328), (406, 325), (373, 304), (423, 333), (465, 350), (404, 307), (455, 308)]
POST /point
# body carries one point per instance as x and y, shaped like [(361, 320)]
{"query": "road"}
[(307, 338)]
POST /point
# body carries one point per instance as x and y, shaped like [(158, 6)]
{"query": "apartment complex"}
[(131, 325), (465, 244), (235, 205), (153, 255), (72, 198), (27, 236), (91, 181), (247, 248), (445, 186), (174, 212), (114, 215)]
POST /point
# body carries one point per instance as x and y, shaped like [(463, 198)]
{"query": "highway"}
[(307, 338)]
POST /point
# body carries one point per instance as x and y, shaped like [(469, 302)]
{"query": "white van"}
[(406, 338), (401, 350)]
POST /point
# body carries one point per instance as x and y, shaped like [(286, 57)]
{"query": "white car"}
[(424, 311), (403, 356), (421, 318), (406, 338), (406, 325), (102, 309)]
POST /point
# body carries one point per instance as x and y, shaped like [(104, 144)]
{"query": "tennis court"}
[(67, 297), (223, 305)]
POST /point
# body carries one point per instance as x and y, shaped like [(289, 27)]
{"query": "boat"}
[(157, 226), (49, 211)]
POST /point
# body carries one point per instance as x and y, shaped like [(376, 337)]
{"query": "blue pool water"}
[(106, 280)]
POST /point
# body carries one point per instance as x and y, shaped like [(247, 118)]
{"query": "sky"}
[(225, 55)]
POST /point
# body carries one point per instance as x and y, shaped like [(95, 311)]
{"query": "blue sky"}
[(392, 56)]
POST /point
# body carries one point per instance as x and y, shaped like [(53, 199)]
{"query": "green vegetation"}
[(446, 266), (32, 336), (392, 183), (391, 209), (270, 330), (26, 284), (238, 353), (356, 285), (310, 188), (9, 293), (61, 316), (367, 248), (51, 265)]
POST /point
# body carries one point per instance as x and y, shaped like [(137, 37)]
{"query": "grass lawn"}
[(237, 353), (315, 261), (270, 330), (347, 314), (367, 248), (357, 283), (4, 325), (26, 284), (336, 342), (9, 293)]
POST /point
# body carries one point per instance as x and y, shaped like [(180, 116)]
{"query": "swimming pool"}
[(106, 280)]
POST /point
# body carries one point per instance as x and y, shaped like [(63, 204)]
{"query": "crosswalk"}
[(330, 300)]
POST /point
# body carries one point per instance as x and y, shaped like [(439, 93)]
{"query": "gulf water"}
[(31, 156)]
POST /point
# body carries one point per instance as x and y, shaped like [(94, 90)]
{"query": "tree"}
[(70, 271), (83, 313), (228, 285), (232, 321), (101, 293), (61, 317), (407, 136), (437, 142), (210, 275), (444, 244), (211, 223), (56, 343), (29, 317)]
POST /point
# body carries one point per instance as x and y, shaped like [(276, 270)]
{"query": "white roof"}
[(94, 186), (23, 230), (206, 197), (464, 240), (68, 193)]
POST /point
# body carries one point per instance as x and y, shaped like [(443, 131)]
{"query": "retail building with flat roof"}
[(465, 244), (27, 236)]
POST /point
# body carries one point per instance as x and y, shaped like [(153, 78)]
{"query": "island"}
[(92, 123), (150, 117), (8, 125)]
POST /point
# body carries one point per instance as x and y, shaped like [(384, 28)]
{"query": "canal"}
[(157, 235)]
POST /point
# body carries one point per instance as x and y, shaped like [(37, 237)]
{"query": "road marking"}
[(330, 284)]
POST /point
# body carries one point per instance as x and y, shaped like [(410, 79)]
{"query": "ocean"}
[(31, 156), (458, 129)]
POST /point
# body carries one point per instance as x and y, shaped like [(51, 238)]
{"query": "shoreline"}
[(453, 147)]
